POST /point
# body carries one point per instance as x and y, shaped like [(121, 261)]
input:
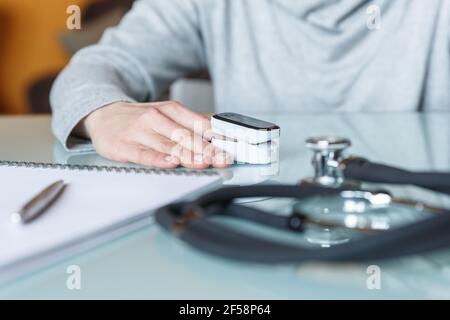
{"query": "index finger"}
[(196, 122)]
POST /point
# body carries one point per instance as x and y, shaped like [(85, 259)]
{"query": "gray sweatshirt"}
[(266, 56)]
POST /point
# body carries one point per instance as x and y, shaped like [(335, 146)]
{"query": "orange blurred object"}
[(29, 47)]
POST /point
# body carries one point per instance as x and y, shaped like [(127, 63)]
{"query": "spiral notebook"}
[(97, 201)]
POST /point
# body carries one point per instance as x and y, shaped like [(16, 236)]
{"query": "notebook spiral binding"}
[(116, 169)]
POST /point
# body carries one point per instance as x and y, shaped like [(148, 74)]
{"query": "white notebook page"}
[(91, 201)]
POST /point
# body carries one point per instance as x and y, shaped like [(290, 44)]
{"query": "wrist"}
[(88, 125)]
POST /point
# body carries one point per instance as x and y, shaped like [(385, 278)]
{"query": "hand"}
[(161, 134)]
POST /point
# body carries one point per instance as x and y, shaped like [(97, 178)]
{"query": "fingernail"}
[(172, 159), (207, 160)]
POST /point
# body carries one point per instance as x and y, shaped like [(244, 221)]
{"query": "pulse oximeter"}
[(247, 139)]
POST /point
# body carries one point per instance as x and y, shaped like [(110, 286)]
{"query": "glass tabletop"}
[(147, 263)]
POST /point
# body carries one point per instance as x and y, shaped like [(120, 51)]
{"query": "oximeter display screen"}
[(245, 121)]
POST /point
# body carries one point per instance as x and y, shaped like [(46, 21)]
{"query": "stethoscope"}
[(348, 224)]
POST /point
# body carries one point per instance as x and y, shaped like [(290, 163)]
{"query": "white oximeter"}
[(249, 140), (243, 128)]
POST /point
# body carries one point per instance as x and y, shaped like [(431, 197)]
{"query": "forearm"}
[(155, 43), (82, 88)]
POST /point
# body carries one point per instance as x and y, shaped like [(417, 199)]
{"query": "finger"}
[(139, 154), (222, 160), (162, 144), (189, 159), (189, 119), (209, 134), (179, 134), (155, 141), (194, 143)]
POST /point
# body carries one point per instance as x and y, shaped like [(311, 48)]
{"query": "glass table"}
[(149, 264)]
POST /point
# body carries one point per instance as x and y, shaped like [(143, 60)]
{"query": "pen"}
[(40, 203)]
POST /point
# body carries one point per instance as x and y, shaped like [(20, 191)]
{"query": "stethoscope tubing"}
[(225, 242), (214, 238), (363, 170), (191, 222)]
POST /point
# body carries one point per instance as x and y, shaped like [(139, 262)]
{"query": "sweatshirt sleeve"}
[(157, 42)]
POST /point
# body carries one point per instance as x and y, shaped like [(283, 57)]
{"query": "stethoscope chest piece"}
[(337, 219), (327, 159)]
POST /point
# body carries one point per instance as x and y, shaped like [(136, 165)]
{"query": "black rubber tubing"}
[(364, 170), (212, 237)]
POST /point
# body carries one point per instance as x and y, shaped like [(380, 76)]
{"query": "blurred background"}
[(36, 44)]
